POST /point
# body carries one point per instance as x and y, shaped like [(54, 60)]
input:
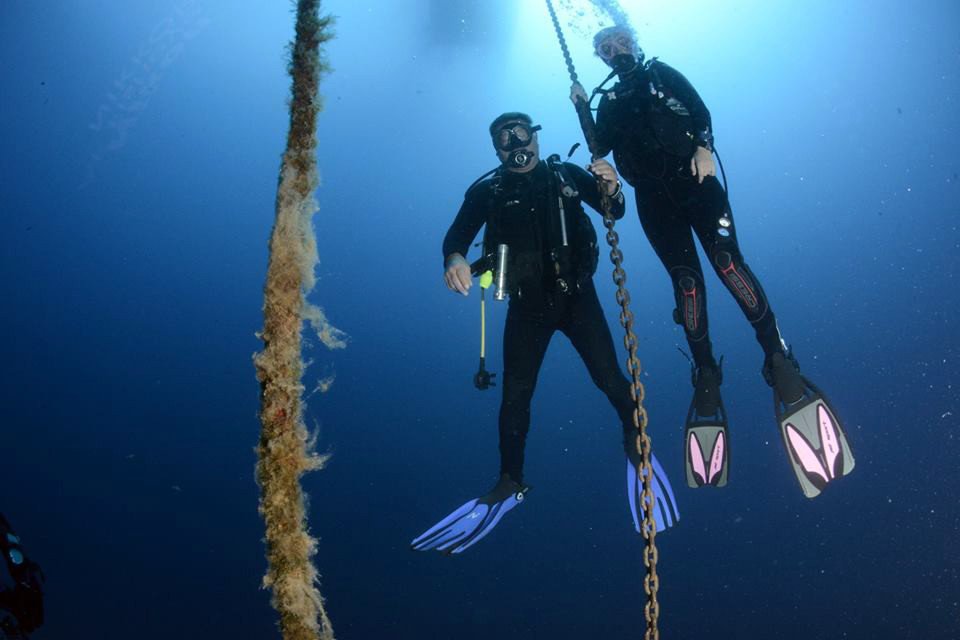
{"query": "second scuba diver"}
[(661, 136), (534, 208)]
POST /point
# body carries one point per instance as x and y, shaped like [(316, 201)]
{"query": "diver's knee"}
[(516, 391), (613, 385), (690, 295)]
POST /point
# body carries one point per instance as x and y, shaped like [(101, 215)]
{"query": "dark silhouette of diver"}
[(21, 588)]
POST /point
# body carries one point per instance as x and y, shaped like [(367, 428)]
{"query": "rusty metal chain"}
[(563, 43), (651, 581)]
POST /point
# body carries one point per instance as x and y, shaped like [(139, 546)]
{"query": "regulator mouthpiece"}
[(519, 158)]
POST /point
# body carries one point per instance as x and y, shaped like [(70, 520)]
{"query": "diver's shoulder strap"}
[(488, 188), (653, 67), (488, 179)]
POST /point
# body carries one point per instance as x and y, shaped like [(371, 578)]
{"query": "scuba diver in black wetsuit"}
[(661, 136), (534, 209), (21, 588)]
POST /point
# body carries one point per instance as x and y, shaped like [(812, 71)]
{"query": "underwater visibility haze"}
[(141, 146)]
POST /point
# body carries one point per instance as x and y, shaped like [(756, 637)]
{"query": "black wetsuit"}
[(653, 120), (551, 287)]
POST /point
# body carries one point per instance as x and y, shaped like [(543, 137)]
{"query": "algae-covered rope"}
[(283, 451), (651, 582)]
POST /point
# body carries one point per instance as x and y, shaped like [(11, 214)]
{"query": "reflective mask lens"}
[(515, 136), (614, 46)]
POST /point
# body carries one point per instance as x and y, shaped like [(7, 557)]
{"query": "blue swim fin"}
[(473, 520), (665, 511)]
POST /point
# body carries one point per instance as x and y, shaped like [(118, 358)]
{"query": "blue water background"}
[(140, 144)]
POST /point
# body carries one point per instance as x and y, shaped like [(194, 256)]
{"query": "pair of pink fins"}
[(815, 441)]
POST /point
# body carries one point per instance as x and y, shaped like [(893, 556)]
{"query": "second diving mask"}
[(619, 51)]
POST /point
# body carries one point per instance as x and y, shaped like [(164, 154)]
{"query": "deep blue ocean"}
[(140, 144)]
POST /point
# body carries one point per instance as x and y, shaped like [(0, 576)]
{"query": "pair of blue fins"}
[(816, 446)]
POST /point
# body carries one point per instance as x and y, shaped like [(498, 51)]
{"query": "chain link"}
[(651, 581)]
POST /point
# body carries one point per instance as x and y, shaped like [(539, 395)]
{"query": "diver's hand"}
[(457, 275), (701, 164), (605, 171), (577, 92)]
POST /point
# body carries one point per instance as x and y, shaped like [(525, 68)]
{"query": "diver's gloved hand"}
[(473, 520), (702, 165), (577, 93), (457, 274), (665, 511)]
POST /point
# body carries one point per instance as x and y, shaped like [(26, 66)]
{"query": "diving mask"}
[(514, 135), (619, 51)]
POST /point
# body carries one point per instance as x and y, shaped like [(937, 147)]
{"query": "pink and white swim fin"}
[(815, 440)]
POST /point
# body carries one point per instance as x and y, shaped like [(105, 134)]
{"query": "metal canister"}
[(500, 292)]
